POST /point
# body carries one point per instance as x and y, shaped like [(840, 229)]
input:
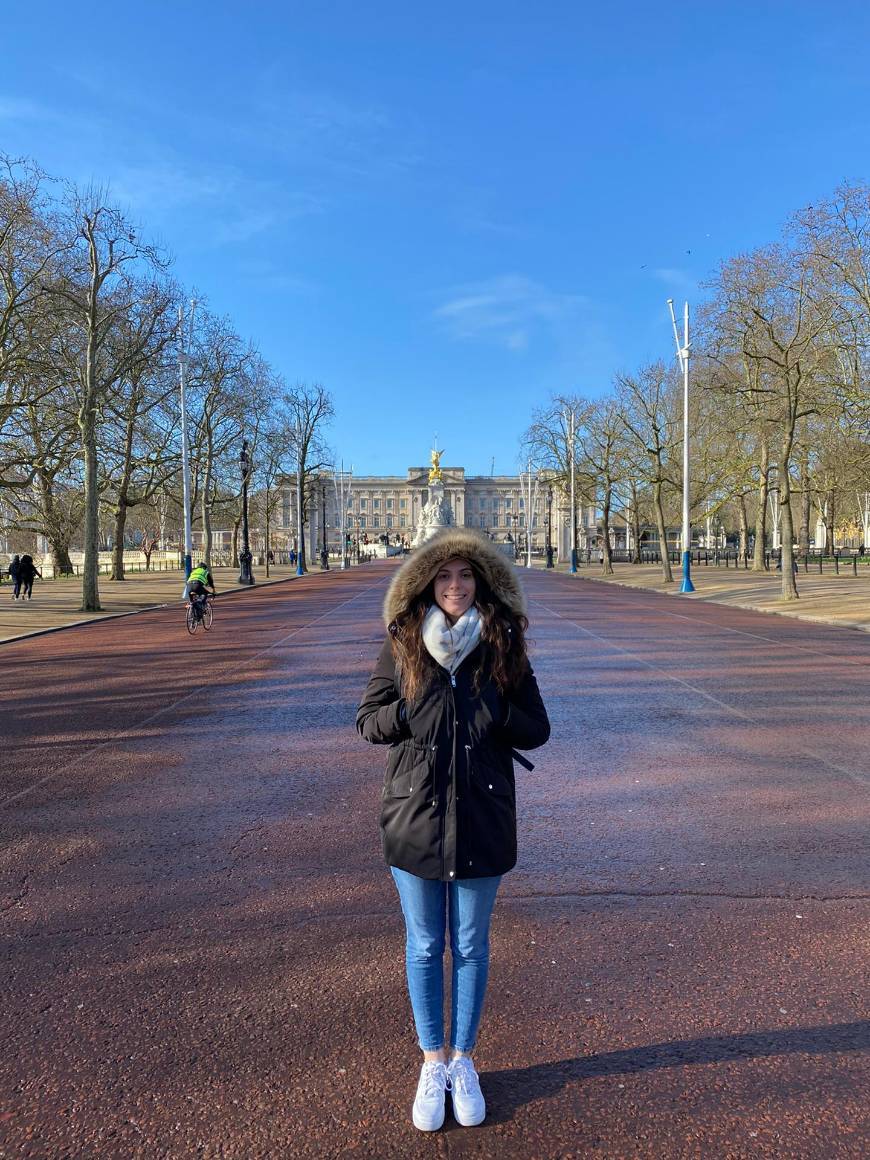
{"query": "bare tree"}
[(765, 302), (137, 425), (647, 407), (29, 252), (309, 410), (94, 294), (604, 463)]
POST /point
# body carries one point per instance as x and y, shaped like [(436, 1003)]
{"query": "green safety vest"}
[(199, 573)]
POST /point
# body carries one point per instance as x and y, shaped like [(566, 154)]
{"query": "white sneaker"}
[(469, 1106), (428, 1113)]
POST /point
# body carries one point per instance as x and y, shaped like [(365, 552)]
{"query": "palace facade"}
[(390, 505)]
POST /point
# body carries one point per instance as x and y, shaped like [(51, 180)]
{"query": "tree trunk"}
[(206, 527), (758, 563), (118, 546), (789, 584), (55, 529), (267, 533), (744, 526), (123, 490), (606, 561), (667, 574), (237, 523), (829, 523), (90, 569), (806, 505), (635, 521)]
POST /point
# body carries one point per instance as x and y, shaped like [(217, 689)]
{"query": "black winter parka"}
[(449, 797)]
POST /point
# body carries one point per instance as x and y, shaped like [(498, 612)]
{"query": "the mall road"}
[(202, 953)]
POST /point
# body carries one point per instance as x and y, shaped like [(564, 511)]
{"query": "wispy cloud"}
[(676, 278), (506, 310), (167, 184)]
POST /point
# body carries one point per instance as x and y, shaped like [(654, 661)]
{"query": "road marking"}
[(823, 758)]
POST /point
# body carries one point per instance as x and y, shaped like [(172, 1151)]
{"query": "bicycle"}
[(199, 612)]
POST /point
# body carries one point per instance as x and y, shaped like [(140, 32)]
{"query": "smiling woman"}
[(451, 695)]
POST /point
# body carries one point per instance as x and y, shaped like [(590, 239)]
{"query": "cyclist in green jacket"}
[(198, 584)]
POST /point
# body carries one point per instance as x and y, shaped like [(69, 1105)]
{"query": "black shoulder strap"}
[(524, 761)]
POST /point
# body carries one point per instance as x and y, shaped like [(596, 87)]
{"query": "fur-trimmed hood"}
[(424, 562)]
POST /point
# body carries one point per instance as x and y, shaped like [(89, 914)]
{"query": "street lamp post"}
[(549, 525), (245, 574), (683, 357), (324, 550), (185, 452), (571, 437), (300, 571)]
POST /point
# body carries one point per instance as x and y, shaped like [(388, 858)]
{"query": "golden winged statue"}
[(435, 475)]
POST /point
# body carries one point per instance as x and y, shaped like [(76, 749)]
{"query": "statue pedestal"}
[(436, 514)]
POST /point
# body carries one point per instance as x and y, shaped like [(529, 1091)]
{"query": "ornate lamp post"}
[(245, 574), (549, 525)]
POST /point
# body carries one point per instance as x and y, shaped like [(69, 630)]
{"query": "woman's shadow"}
[(511, 1088)]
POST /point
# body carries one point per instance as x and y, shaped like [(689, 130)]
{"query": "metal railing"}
[(846, 561)]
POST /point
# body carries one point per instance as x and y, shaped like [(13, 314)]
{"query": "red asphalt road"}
[(203, 953)]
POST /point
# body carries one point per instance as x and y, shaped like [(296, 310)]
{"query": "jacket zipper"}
[(453, 771)]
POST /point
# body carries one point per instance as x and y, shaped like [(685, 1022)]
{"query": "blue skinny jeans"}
[(427, 906)]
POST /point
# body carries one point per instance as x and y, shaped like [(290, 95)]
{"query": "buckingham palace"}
[(504, 506)]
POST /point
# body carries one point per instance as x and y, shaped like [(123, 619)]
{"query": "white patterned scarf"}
[(449, 644)]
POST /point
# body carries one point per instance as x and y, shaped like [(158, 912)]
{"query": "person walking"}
[(452, 694), (15, 575), (27, 572)]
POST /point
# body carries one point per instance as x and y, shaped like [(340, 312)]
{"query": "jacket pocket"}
[(493, 782), (485, 777), (411, 769)]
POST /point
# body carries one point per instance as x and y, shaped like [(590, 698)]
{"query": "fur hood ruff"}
[(424, 562)]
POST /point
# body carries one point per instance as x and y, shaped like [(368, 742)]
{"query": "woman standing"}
[(28, 572), (452, 694)]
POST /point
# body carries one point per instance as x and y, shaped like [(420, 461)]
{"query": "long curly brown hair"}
[(502, 632)]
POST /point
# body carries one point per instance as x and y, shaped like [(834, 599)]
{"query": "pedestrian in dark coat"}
[(15, 576), (452, 695), (28, 571)]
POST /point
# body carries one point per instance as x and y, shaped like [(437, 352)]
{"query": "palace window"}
[(362, 505), (389, 505), (507, 503), (376, 503), (403, 503), (376, 521), (362, 522), (403, 519), (389, 521)]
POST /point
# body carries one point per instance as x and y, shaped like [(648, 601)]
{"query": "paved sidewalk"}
[(56, 603), (842, 600)]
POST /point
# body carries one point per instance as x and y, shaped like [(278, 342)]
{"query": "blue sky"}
[(445, 215)]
